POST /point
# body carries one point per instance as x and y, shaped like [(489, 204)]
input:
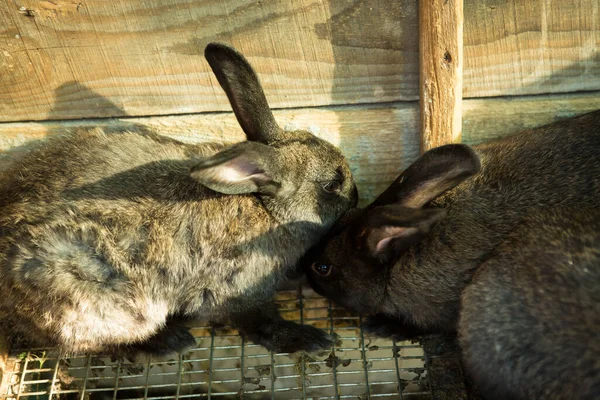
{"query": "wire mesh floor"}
[(225, 365)]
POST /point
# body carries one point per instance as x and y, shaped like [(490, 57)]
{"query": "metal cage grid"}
[(225, 365)]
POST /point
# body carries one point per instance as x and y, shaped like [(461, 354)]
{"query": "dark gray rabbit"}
[(112, 239), (500, 243)]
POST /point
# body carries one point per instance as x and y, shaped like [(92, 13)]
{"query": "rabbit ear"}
[(435, 172), (242, 168), (240, 83), (385, 231)]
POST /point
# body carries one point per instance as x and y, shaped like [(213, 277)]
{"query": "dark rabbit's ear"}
[(240, 83), (239, 169), (435, 172), (385, 231)]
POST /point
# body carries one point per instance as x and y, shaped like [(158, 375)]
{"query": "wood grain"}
[(64, 59), (440, 72), (515, 47), (93, 58), (379, 141)]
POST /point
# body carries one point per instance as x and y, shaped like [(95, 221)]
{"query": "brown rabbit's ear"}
[(435, 172), (240, 83), (239, 169), (385, 231)]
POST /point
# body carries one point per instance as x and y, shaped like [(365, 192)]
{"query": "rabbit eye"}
[(321, 269), (331, 186)]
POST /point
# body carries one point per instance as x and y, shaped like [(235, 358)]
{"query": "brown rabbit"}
[(501, 243), (110, 239)]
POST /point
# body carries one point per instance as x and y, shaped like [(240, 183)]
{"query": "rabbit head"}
[(352, 266), (298, 176)]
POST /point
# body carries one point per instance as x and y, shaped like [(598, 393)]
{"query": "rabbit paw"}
[(171, 339), (289, 337), (389, 327)]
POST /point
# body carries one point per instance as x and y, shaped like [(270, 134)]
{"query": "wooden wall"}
[(347, 70)]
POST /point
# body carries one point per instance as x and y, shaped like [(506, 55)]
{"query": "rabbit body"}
[(133, 249), (530, 319), (521, 175), (107, 239), (500, 244)]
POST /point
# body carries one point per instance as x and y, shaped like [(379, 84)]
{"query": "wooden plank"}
[(379, 141), (93, 58), (440, 71), (64, 59), (488, 119), (516, 47)]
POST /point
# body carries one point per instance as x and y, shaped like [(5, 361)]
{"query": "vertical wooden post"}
[(440, 97), (441, 67)]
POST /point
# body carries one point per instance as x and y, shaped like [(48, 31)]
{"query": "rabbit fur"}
[(501, 243), (112, 240)]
